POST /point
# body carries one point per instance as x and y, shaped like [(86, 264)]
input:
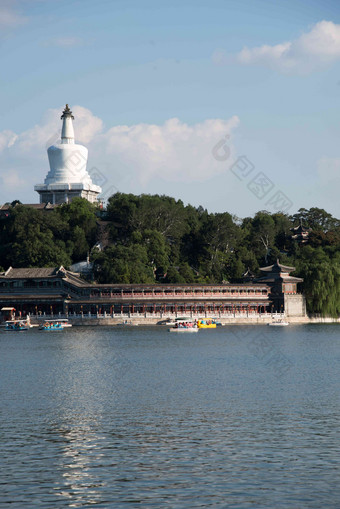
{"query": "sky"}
[(228, 104)]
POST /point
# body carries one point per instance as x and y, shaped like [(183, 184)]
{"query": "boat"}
[(51, 325), (63, 321), (206, 324), (128, 323), (280, 322), (184, 326), (16, 325), (172, 322)]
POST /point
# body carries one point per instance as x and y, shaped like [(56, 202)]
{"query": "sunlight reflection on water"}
[(123, 417)]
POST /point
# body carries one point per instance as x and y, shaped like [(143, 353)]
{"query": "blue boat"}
[(51, 326), (16, 325)]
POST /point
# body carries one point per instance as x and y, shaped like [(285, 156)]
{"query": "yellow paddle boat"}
[(206, 324)]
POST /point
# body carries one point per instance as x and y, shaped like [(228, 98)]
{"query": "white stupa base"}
[(64, 193)]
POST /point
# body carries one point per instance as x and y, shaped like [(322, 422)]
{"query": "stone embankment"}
[(253, 319)]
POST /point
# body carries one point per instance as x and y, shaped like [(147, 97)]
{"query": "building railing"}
[(43, 291), (157, 314), (182, 296)]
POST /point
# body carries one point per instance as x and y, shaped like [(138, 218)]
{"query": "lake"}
[(239, 417)]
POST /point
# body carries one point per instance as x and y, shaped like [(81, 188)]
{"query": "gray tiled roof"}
[(44, 272), (277, 267), (32, 272)]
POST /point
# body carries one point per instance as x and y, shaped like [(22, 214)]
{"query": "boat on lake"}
[(207, 323), (58, 324), (280, 322), (51, 325), (63, 321), (16, 325), (184, 326), (172, 322)]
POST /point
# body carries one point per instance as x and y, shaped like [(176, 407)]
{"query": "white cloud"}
[(86, 125), (7, 139), (12, 181), (172, 152), (311, 51), (65, 42), (35, 140), (220, 57), (267, 55), (9, 17)]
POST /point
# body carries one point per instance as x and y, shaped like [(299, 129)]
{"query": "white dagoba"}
[(68, 177)]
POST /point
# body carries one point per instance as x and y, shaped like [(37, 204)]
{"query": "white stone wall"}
[(295, 305)]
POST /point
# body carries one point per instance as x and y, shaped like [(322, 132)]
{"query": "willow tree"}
[(321, 275)]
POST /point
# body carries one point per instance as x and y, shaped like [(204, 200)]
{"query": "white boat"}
[(184, 329), (280, 322), (172, 322), (184, 326), (64, 322)]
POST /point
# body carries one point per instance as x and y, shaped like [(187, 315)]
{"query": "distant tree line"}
[(157, 239)]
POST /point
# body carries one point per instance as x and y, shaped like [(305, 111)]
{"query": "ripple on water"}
[(118, 418)]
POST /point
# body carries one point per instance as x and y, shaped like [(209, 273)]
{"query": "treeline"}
[(35, 238), (148, 239)]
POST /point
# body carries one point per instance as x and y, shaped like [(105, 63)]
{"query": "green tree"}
[(80, 213), (321, 275), (123, 264), (316, 219)]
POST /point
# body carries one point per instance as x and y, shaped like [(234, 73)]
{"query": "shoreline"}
[(141, 320)]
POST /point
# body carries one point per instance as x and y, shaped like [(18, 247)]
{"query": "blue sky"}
[(267, 74)]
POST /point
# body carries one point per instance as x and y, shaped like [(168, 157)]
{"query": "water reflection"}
[(135, 418), (79, 453), (85, 381)]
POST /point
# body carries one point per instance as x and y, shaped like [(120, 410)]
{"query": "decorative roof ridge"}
[(277, 265)]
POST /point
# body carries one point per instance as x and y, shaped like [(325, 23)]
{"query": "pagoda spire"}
[(67, 112), (67, 131)]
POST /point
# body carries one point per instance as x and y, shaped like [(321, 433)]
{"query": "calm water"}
[(239, 417)]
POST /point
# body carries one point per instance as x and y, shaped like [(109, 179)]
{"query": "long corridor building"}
[(57, 290)]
